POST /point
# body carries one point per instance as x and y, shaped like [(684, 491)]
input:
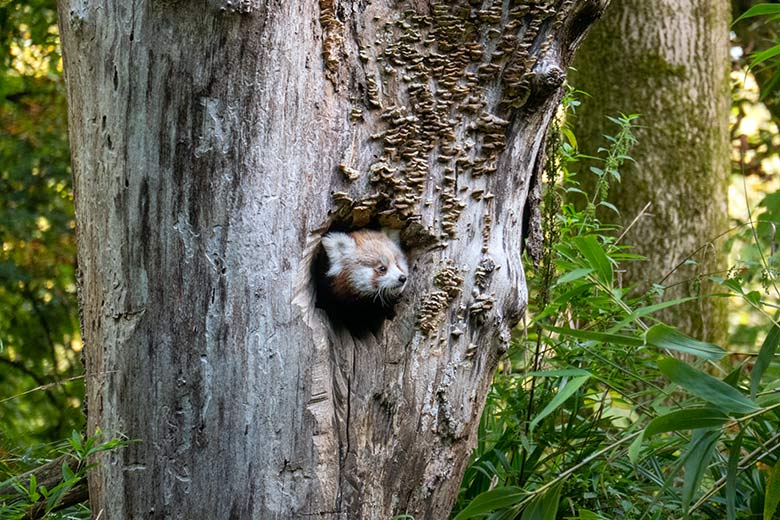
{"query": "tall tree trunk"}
[(212, 149), (668, 61)]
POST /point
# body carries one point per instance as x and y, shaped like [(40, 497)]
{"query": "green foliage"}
[(763, 56), (589, 414), (39, 336), (75, 455), (757, 32)]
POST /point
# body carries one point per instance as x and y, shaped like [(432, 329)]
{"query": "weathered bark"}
[(668, 61), (212, 148)]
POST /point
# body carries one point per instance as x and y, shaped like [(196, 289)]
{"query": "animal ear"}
[(393, 234), (338, 246)]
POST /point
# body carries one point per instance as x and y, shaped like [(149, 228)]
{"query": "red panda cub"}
[(365, 276)]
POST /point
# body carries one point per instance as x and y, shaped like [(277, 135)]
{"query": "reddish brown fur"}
[(371, 248), (342, 287)]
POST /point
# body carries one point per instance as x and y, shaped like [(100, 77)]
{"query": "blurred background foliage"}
[(41, 386), (40, 368)]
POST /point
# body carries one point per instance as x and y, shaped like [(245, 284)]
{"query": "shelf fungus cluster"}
[(448, 282), (442, 85), (333, 37)]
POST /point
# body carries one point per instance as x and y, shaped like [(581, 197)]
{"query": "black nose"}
[(402, 278)]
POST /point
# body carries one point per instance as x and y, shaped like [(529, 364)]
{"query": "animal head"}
[(367, 264)]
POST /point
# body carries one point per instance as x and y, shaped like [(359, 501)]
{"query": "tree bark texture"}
[(213, 146), (668, 61)]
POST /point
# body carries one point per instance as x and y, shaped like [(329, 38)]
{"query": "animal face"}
[(367, 264), (379, 275)]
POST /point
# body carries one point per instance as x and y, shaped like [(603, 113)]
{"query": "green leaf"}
[(731, 283), (753, 297), (609, 206), (761, 57), (601, 337), (635, 448), (650, 309), (733, 377), (67, 473), (563, 393), (570, 137), (697, 459), (562, 300), (664, 336), (592, 251), (544, 507), (576, 274), (690, 419), (764, 358), (75, 442), (772, 497), (33, 494), (702, 385), (503, 514), (731, 477), (584, 514), (566, 372), (759, 10), (488, 501)]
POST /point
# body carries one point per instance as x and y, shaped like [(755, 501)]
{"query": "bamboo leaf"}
[(759, 10), (544, 507), (664, 336), (690, 419), (731, 477), (702, 385), (601, 337), (772, 497), (585, 514), (635, 448), (509, 513), (697, 459), (488, 501), (563, 393), (574, 275), (761, 57), (566, 372), (764, 358), (594, 254), (644, 311)]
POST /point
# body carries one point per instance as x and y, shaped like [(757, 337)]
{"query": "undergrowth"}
[(599, 410), (24, 496)]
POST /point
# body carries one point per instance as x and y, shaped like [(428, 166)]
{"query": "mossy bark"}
[(668, 61)]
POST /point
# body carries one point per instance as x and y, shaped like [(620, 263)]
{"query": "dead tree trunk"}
[(213, 146)]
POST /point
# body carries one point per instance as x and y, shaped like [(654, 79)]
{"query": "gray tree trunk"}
[(213, 146), (668, 61)]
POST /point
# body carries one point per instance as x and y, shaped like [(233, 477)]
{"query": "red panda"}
[(365, 276)]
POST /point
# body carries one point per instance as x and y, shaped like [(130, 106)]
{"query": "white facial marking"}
[(362, 278), (339, 247)]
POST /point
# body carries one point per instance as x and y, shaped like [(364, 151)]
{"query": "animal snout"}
[(402, 278)]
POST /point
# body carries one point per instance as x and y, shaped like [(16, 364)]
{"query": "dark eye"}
[(382, 269)]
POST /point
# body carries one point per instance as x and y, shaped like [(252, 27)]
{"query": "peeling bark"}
[(212, 149)]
